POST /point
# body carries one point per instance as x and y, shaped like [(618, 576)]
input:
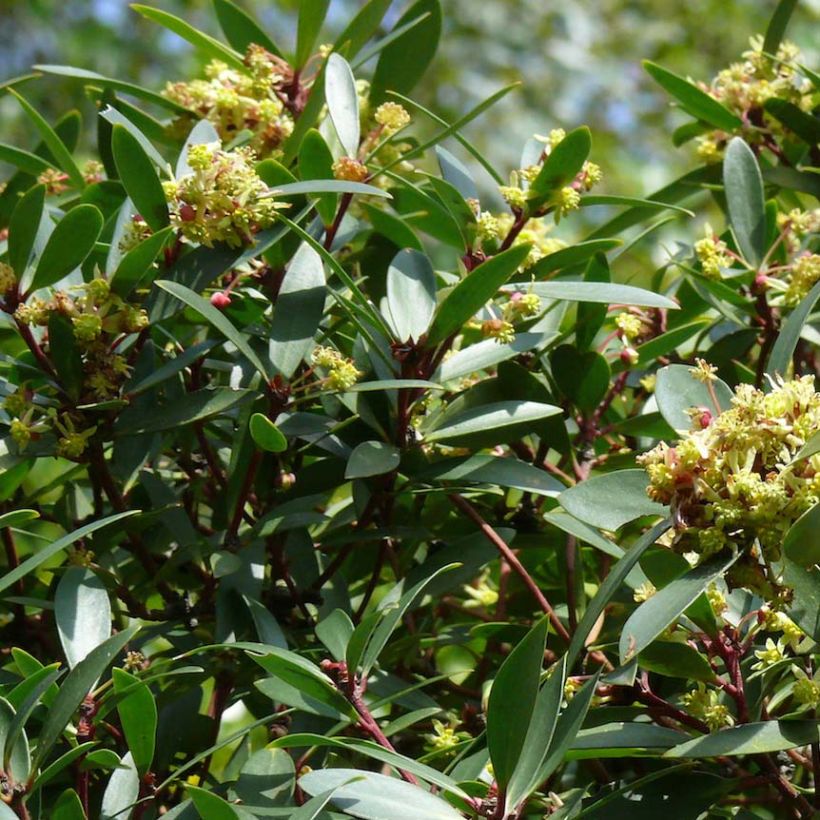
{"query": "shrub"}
[(334, 488)]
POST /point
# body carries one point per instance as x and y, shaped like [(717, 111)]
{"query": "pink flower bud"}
[(220, 300)]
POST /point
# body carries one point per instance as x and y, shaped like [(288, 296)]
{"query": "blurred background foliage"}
[(578, 63)]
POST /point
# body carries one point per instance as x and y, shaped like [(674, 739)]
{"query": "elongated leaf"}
[(185, 359), (309, 810), (333, 186), (304, 676), (487, 353), (611, 500), (678, 391), (752, 738), (372, 458), (65, 354), (499, 417), (41, 556), (133, 269), (139, 178), (362, 27), (266, 434), (216, 318), (666, 605), (240, 29), (341, 96), (96, 79), (138, 717), (14, 742), (298, 311), (24, 227), (394, 71), (694, 101), (743, 185), (206, 44), (802, 542), (68, 246), (777, 25), (512, 702), (115, 117), (570, 257), (563, 163), (121, 792), (411, 294), (82, 612), (538, 740), (23, 160), (372, 796), (633, 202), (617, 575), (602, 293), (55, 145), (784, 347), (75, 687), (806, 126), (474, 291)]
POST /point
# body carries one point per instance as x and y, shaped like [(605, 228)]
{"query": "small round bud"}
[(220, 300)]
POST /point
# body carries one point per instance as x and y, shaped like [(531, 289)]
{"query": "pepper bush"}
[(335, 484)]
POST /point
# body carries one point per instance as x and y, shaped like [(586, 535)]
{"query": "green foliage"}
[(332, 488)]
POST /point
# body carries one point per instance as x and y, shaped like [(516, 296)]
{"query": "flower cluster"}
[(713, 254), (222, 199), (240, 101), (745, 86), (734, 482), (342, 373), (705, 704)]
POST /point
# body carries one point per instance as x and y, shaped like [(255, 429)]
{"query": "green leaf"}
[(62, 762), (334, 632), (215, 318), (372, 458), (333, 186), (75, 687), (43, 555), (206, 44), (652, 617), (694, 101), (267, 780), (122, 790), (68, 246), (802, 542), (310, 810), (582, 377), (474, 291), (777, 25), (65, 355), (341, 96), (298, 311), (676, 660), (115, 117), (624, 740), (562, 164), (312, 14), (616, 576), (677, 390), (14, 743), (611, 500), (804, 608), (786, 342), (649, 351), (600, 293), (23, 160), (751, 738), (372, 796), (633, 202), (139, 178), (17, 517), (405, 60), (810, 448), (52, 140), (456, 173), (504, 418), (138, 717), (485, 354), (411, 294), (304, 676), (24, 227), (806, 126), (132, 271), (266, 435), (487, 469), (211, 806), (361, 28), (539, 734), (191, 407), (512, 702), (743, 185), (240, 29), (82, 612), (316, 163), (68, 806), (96, 79)]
